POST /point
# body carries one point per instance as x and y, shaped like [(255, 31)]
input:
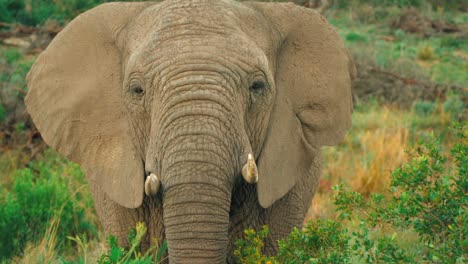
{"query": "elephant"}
[(199, 118)]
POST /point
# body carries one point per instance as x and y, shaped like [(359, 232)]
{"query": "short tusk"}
[(249, 171), (152, 185)]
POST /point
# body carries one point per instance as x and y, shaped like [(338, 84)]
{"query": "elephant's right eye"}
[(257, 86)]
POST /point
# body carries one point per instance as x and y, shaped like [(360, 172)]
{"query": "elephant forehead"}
[(202, 28), (211, 54), (175, 18)]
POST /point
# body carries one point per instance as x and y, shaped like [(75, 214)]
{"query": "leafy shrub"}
[(449, 41), (14, 68), (453, 4), (133, 255), (353, 36), (454, 105), (426, 53), (38, 11), (400, 3), (11, 55), (40, 195), (319, 242), (426, 196), (424, 108), (249, 250), (2, 113)]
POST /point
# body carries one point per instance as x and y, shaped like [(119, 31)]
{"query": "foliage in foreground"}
[(117, 254), (39, 199), (427, 195)]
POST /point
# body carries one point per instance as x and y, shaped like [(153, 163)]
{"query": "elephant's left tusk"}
[(152, 185), (249, 171)]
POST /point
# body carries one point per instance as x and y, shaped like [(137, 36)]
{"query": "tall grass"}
[(374, 146), (46, 202)]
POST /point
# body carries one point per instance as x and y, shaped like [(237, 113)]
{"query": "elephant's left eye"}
[(137, 89)]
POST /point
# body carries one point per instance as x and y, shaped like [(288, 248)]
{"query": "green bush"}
[(452, 4), (117, 254), (454, 105), (319, 242), (353, 36), (42, 195), (2, 113), (249, 250), (427, 196), (424, 108), (400, 3), (14, 67), (12, 55), (36, 12)]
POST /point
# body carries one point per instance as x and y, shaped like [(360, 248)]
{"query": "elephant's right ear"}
[(75, 100)]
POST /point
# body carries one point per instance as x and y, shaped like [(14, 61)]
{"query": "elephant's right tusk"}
[(152, 185), (249, 171)]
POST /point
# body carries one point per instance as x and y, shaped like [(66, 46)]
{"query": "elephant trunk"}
[(196, 220), (198, 165), (197, 199)]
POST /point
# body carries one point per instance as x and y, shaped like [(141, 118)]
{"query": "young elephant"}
[(189, 97)]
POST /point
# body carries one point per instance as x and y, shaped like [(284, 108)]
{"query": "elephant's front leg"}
[(118, 220), (290, 211)]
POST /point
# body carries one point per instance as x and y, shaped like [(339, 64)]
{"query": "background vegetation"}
[(412, 62)]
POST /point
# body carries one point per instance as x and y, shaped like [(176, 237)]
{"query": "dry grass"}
[(372, 149), (82, 249), (426, 53), (11, 161), (386, 150), (369, 153), (44, 251)]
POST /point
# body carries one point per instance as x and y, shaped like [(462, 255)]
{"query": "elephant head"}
[(193, 93)]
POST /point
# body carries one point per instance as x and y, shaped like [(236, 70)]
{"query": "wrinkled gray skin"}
[(186, 90)]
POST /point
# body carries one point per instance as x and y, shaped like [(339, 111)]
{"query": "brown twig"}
[(409, 81)]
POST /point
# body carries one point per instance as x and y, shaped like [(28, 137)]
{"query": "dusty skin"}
[(185, 91)]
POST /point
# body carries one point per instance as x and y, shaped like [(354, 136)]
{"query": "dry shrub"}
[(370, 151), (426, 53), (44, 251), (320, 208), (373, 147), (367, 167), (385, 150)]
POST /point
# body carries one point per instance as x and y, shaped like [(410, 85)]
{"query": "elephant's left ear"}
[(313, 104), (75, 100)]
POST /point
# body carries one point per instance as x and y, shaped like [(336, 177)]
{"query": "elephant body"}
[(170, 106)]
